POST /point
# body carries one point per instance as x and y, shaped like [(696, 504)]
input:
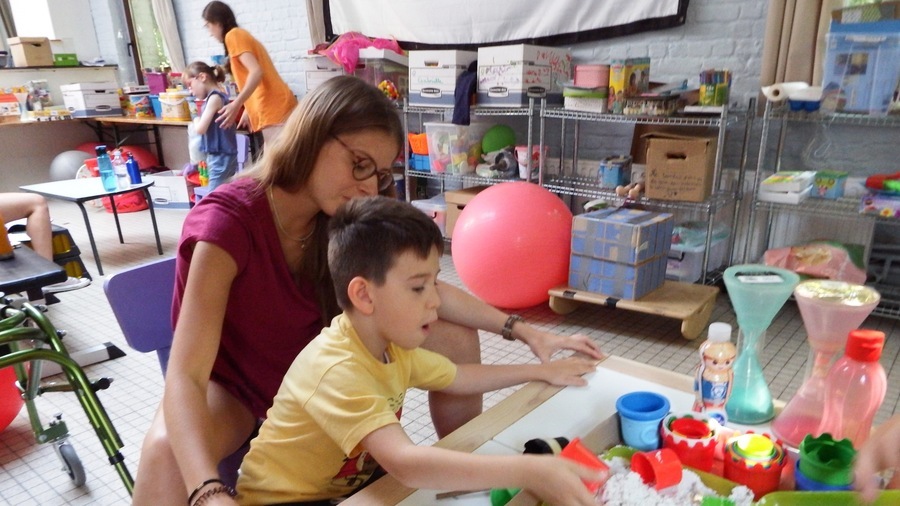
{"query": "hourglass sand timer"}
[(757, 293), (830, 310)]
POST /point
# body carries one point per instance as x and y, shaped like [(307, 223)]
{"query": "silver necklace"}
[(301, 240)]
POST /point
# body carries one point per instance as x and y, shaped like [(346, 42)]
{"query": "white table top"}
[(78, 190)]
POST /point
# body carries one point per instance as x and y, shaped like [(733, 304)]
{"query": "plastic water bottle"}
[(134, 171), (715, 376), (107, 173), (120, 169), (855, 388)]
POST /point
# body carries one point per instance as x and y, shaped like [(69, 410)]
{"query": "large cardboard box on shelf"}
[(679, 167), (30, 51), (85, 100), (433, 75), (456, 201), (509, 75)]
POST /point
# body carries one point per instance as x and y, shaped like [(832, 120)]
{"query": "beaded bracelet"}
[(197, 490), (214, 491), (508, 326)]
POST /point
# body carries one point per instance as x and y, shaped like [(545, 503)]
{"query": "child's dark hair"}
[(216, 73), (220, 13), (367, 234)]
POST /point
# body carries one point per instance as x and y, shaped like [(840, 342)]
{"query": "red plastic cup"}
[(755, 460), (658, 468), (576, 451), (692, 436)]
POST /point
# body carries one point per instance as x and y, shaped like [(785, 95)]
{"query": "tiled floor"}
[(30, 473)]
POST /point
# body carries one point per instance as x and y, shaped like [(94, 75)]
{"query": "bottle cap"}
[(865, 345), (100, 150), (719, 332)]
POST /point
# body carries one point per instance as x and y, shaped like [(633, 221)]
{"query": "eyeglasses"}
[(364, 167)]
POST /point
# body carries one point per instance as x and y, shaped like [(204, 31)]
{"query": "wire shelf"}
[(456, 178), (477, 110), (782, 113), (847, 208), (699, 120), (587, 187)]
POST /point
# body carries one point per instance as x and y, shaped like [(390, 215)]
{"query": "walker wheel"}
[(71, 464)]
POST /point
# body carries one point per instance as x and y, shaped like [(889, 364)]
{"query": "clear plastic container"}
[(855, 388), (454, 149)]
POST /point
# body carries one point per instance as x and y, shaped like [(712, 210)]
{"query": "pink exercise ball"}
[(511, 244), (10, 398)]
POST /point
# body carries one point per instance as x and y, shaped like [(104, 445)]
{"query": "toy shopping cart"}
[(31, 339)]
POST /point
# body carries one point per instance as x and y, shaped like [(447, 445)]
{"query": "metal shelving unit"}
[(421, 112), (841, 209), (578, 186)]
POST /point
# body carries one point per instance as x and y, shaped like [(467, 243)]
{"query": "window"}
[(147, 40)]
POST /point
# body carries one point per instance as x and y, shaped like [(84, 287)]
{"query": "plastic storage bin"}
[(377, 65), (435, 207), (685, 258), (454, 149)]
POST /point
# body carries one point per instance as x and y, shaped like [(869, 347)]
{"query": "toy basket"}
[(418, 143)]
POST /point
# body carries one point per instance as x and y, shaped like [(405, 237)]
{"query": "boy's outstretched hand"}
[(880, 452), (567, 371), (560, 481)]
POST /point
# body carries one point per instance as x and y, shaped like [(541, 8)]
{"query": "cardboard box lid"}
[(95, 86), (371, 53), (12, 41)]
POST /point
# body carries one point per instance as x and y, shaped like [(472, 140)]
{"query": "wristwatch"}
[(508, 326)]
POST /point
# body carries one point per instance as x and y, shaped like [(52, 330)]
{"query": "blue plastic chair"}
[(141, 300)]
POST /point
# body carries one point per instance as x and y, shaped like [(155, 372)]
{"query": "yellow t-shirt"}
[(272, 100), (334, 394)]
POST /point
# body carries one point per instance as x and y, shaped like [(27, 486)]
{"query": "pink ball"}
[(511, 244), (10, 399)]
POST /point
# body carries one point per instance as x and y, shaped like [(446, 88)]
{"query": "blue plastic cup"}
[(640, 414)]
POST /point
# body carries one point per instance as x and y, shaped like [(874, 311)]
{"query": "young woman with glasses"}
[(252, 289)]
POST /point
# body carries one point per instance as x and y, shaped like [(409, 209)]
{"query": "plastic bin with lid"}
[(454, 149), (436, 207), (685, 258)]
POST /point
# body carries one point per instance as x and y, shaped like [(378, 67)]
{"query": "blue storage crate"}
[(419, 162)]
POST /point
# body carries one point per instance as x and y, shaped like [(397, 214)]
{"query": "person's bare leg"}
[(158, 479), (462, 346), (32, 207)]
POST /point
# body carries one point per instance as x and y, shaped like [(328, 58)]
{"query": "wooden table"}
[(690, 303), (29, 272), (132, 125), (80, 191), (540, 410)]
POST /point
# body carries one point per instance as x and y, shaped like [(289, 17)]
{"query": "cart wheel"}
[(72, 464)]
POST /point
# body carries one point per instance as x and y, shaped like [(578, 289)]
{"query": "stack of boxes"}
[(433, 75), (620, 252), (86, 100)]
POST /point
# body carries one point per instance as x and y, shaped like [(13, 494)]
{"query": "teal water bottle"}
[(107, 174)]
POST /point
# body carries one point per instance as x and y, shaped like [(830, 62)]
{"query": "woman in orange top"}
[(266, 98)]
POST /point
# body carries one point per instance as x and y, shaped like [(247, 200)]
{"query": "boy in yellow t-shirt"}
[(336, 417)]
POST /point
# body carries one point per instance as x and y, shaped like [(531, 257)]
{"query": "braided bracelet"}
[(214, 491), (197, 490)]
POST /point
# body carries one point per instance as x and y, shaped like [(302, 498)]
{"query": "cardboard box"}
[(629, 236), (862, 67), (85, 100), (169, 190), (456, 201), (509, 75), (623, 281), (628, 77), (30, 51), (886, 205), (680, 167), (433, 74), (316, 70)]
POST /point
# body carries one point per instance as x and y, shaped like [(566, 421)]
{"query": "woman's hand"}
[(544, 344), (880, 452), (230, 114), (245, 120)]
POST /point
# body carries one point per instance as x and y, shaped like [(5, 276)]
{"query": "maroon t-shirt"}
[(269, 319)]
